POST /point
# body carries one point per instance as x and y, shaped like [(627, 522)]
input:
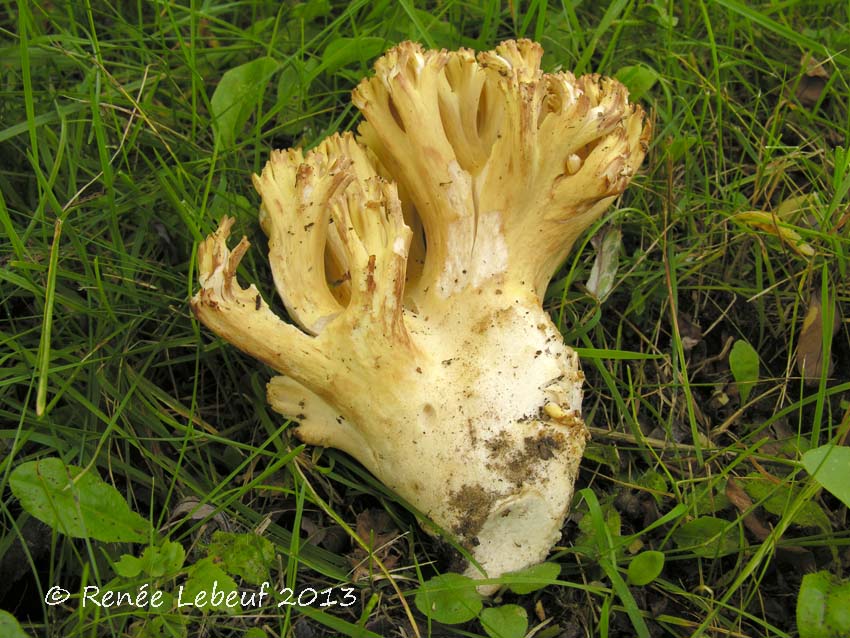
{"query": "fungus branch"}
[(493, 146)]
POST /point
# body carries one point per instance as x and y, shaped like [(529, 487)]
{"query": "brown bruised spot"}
[(470, 429), (209, 299), (258, 300), (370, 275), (398, 284), (303, 173), (494, 319), (483, 325)]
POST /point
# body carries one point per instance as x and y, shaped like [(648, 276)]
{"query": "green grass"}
[(111, 171)]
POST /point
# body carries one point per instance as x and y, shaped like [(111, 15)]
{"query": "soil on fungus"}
[(476, 503)]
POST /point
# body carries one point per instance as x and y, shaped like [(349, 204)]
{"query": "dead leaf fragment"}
[(689, 331), (377, 530), (813, 82), (810, 343), (191, 508), (797, 207), (743, 503), (539, 611), (600, 282), (770, 223)]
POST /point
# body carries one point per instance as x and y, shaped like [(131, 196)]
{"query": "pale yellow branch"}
[(245, 319)]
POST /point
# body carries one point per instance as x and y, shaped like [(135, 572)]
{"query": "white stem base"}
[(477, 424)]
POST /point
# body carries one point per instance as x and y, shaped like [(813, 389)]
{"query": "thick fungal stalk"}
[(414, 259)]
